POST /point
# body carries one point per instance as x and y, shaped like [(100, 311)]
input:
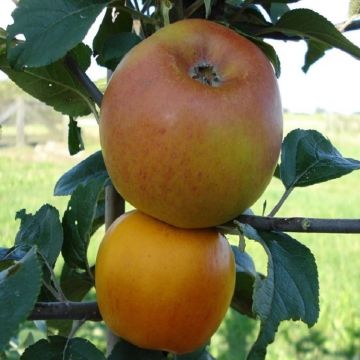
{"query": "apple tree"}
[(44, 54)]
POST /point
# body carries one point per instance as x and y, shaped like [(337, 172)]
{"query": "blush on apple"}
[(191, 124)]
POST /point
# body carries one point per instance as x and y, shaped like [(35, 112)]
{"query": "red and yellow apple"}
[(191, 124)]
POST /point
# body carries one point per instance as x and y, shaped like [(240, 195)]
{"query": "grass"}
[(27, 179)]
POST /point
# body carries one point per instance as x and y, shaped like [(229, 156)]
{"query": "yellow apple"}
[(191, 124), (161, 287)]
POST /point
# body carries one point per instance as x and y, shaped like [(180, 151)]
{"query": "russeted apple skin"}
[(190, 154)]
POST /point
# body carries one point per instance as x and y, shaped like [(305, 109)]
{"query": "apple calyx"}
[(206, 74)]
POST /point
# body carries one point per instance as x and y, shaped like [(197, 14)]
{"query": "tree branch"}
[(297, 224), (68, 310), (90, 87)]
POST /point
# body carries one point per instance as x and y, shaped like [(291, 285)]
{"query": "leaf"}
[(308, 158), (58, 347), (277, 10), (75, 283), (19, 288), (43, 230), (267, 3), (90, 169), (266, 48), (54, 84), (277, 172), (78, 221), (201, 354), (51, 28), (3, 36), (125, 350), (290, 291), (270, 53), (116, 47), (245, 279), (113, 24), (250, 14), (316, 50), (99, 219), (308, 24), (14, 253), (75, 141), (9, 256)]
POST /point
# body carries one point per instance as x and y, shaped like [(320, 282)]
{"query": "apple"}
[(191, 124)]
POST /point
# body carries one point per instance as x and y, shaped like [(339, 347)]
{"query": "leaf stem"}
[(281, 201), (193, 7), (60, 295), (142, 25), (52, 290)]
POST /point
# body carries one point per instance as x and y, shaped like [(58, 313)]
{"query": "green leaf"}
[(245, 278), (277, 10), (14, 253), (54, 84), (277, 172), (87, 170), (78, 222), (354, 7), (290, 291), (201, 354), (270, 52), (316, 50), (43, 230), (116, 47), (308, 24), (246, 19), (51, 28), (58, 347), (75, 284), (99, 219), (308, 158), (125, 350), (75, 141), (123, 23), (19, 288), (3, 36), (268, 4), (266, 48)]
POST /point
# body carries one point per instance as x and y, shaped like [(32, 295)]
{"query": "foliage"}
[(289, 290)]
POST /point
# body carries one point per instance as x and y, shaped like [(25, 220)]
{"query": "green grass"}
[(27, 180)]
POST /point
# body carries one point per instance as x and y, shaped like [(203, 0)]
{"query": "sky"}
[(331, 84)]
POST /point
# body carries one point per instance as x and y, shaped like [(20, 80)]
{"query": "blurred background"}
[(33, 155)]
